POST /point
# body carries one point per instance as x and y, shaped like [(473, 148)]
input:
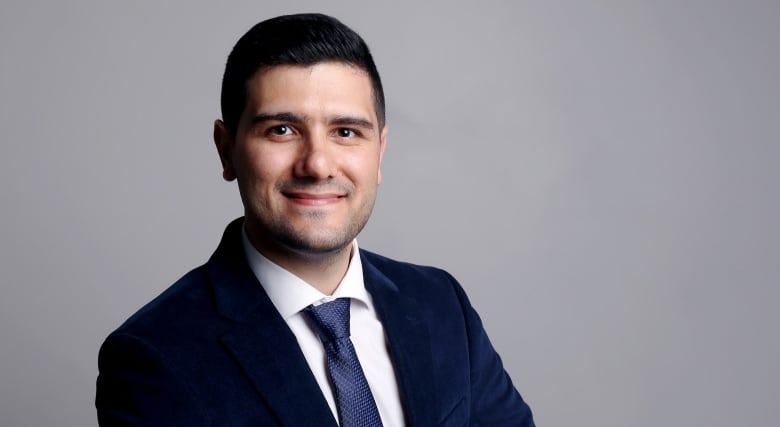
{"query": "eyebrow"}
[(276, 117), (353, 121), (293, 118)]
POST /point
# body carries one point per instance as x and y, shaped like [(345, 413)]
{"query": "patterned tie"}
[(356, 406)]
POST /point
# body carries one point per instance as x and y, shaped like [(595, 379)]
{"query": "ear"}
[(224, 142), (382, 146)]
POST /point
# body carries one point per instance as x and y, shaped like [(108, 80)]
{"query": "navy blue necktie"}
[(355, 403)]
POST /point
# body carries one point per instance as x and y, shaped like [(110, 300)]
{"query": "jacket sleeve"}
[(137, 386), (494, 400)]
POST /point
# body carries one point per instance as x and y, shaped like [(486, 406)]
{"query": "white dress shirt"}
[(290, 294)]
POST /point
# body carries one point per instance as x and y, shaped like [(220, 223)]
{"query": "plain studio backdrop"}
[(601, 176)]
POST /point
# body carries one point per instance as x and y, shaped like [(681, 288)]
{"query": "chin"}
[(309, 238), (317, 252)]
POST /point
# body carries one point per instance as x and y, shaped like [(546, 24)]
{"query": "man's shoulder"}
[(392, 266), (174, 311), (423, 280), (189, 301)]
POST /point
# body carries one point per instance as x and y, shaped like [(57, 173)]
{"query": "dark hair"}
[(303, 39)]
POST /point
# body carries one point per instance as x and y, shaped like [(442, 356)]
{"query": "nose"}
[(316, 159)]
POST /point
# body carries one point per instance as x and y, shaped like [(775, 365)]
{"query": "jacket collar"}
[(268, 351), (409, 342), (260, 341)]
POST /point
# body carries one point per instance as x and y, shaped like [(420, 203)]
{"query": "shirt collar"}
[(291, 294)]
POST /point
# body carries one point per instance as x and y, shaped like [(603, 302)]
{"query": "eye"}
[(345, 133), (280, 130)]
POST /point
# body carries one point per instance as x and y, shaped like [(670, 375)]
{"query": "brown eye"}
[(280, 130), (345, 133)]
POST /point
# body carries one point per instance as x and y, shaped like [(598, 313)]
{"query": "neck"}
[(322, 271)]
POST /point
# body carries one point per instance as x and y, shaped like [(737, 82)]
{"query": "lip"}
[(313, 199)]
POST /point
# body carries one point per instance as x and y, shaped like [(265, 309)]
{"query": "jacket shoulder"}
[(174, 311), (394, 267), (422, 282)]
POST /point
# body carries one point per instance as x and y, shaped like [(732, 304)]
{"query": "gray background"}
[(600, 175)]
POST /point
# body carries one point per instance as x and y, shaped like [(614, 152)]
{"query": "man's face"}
[(307, 155)]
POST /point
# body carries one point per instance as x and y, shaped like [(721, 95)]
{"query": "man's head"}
[(303, 134), (304, 39)]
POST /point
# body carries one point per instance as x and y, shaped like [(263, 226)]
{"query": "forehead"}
[(325, 87)]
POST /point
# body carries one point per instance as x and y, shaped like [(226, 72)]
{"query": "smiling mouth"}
[(313, 199)]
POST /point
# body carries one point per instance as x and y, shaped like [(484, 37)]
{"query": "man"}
[(289, 323)]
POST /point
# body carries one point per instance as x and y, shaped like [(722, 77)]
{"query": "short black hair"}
[(301, 39)]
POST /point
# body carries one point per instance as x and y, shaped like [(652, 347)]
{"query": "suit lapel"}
[(261, 342), (269, 354), (266, 349), (409, 344)]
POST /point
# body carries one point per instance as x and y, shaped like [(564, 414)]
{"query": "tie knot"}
[(329, 320)]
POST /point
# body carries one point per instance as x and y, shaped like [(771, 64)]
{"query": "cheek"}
[(264, 166), (365, 168)]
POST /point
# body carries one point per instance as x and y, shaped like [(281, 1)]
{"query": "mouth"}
[(313, 199)]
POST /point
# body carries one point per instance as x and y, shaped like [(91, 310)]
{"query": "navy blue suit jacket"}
[(212, 350)]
